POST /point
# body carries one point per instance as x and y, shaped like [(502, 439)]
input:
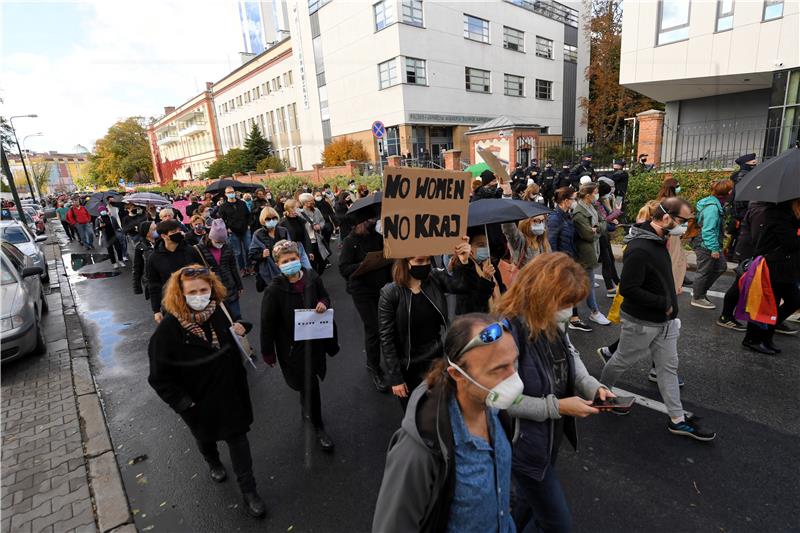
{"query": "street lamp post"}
[(25, 151), (16, 140)]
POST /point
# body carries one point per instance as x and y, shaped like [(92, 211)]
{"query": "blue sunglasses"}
[(487, 335)]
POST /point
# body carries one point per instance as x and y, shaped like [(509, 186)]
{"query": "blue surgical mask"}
[(678, 189), (231, 195), (291, 268), (482, 254), (271, 223)]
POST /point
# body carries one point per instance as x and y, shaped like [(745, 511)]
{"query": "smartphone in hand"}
[(621, 403)]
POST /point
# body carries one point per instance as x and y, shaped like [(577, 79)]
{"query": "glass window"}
[(476, 29), (281, 120), (326, 131), (513, 85), (415, 71), (387, 73), (773, 9), (724, 15), (570, 53), (384, 14), (272, 130), (15, 235), (291, 81), (393, 141), (544, 90), (673, 21), (478, 80), (544, 47), (793, 90), (412, 12), (513, 39)]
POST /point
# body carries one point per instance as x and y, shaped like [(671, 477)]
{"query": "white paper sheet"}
[(308, 324)]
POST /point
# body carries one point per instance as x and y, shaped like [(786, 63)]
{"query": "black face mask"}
[(746, 166), (200, 230), (177, 238), (420, 272)]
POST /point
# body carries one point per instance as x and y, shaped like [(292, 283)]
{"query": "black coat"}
[(186, 369), (394, 312), (354, 249), (235, 215), (780, 243), (227, 269), (142, 252), (162, 264), (296, 227), (475, 301), (277, 328), (620, 178)]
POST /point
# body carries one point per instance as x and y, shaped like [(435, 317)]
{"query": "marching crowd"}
[(489, 390)]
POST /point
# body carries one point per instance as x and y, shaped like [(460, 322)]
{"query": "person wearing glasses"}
[(260, 253), (297, 288), (557, 386), (448, 467), (196, 367)]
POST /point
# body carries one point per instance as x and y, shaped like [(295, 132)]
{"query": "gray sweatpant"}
[(639, 340)]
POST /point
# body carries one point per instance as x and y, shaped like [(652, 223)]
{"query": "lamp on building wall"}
[(19, 149)]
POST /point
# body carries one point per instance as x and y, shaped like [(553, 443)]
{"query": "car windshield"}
[(15, 235), (6, 277)]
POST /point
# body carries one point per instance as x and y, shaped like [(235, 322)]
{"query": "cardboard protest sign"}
[(497, 167), (424, 211)]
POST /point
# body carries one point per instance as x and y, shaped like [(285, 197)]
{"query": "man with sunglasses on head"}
[(449, 465), (170, 255), (649, 311)]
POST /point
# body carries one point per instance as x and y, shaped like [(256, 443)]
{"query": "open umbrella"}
[(98, 199), (775, 180), (364, 208), (477, 169), (500, 210), (220, 186), (146, 199)]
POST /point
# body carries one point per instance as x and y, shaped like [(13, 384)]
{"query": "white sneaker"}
[(122, 264), (114, 265), (600, 318)]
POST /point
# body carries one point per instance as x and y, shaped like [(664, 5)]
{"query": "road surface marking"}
[(715, 294), (646, 402)]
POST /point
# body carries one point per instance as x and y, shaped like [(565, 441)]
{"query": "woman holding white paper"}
[(296, 288)]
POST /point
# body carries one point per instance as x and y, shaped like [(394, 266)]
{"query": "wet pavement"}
[(630, 474)]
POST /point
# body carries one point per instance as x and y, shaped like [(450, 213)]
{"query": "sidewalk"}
[(59, 473), (691, 258)]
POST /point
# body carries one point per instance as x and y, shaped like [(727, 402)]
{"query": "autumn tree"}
[(340, 150), (40, 174), (609, 103), (124, 153)]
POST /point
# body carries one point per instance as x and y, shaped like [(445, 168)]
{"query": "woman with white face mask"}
[(196, 368), (557, 386), (526, 240), (215, 253)]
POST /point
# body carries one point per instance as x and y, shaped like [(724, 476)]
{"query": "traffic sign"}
[(378, 129)]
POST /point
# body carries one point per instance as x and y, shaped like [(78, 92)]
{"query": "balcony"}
[(550, 9), (191, 129), (169, 138)]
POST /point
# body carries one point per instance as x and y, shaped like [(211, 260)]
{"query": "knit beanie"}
[(218, 231)]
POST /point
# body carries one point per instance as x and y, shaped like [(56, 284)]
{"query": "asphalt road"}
[(629, 475)]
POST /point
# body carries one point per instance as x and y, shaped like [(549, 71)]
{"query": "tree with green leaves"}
[(257, 148), (236, 160), (40, 174), (122, 154), (7, 136)]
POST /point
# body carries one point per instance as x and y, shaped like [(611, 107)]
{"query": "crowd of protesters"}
[(489, 387)]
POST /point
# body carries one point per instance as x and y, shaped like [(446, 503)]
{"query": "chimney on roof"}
[(209, 85), (246, 56), (169, 109)]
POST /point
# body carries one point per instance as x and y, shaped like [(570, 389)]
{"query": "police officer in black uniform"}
[(737, 210), (562, 178), (547, 182), (584, 168)]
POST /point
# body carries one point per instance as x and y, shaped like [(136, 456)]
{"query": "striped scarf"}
[(196, 318)]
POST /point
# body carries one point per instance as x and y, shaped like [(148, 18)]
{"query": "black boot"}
[(325, 441), (253, 504), (758, 347), (218, 472), (771, 346)]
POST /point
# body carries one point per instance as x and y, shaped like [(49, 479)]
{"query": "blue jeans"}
[(591, 301), (541, 505), (85, 234), (240, 245), (234, 308)]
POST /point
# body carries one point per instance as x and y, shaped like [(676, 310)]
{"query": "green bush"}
[(290, 184), (271, 162), (645, 186)]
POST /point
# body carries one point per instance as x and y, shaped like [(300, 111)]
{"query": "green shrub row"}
[(644, 187)]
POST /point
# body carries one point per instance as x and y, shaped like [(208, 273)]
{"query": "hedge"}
[(644, 187)]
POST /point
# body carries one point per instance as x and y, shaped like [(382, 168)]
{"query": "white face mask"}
[(680, 229), (562, 315), (501, 396), (218, 244), (530, 182), (379, 227), (537, 229), (573, 204), (198, 302)]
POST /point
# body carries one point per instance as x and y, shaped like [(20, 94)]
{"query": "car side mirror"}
[(32, 271), (41, 238)]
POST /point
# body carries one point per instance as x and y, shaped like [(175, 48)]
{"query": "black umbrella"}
[(365, 208), (220, 186), (99, 198), (775, 180), (500, 210)]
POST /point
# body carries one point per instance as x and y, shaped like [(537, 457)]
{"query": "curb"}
[(110, 503)]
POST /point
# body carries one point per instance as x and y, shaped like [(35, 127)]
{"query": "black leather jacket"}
[(394, 313)]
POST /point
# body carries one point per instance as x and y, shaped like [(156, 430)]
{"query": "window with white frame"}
[(513, 39), (281, 120), (570, 53), (387, 73), (673, 21), (544, 90), (544, 47), (513, 85), (476, 29), (773, 9), (478, 80), (291, 81), (411, 12), (415, 71), (384, 14), (724, 15)]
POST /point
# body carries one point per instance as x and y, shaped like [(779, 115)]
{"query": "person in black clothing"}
[(489, 189), (519, 172), (641, 165), (296, 226), (170, 255), (297, 288), (780, 246), (343, 203), (412, 311), (109, 231), (562, 178), (737, 209), (498, 245), (141, 254), (196, 368), (324, 206), (237, 219), (365, 287), (197, 230), (261, 247), (547, 184), (259, 203), (215, 254), (192, 207), (584, 168), (620, 178), (480, 274)]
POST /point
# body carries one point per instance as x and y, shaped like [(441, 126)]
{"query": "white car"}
[(20, 235), (23, 304)]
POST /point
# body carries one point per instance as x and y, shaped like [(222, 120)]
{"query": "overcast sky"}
[(83, 66)]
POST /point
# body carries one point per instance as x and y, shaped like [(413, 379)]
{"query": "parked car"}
[(35, 222), (23, 305), (20, 235)]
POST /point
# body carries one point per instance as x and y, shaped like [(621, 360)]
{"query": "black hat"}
[(587, 154), (603, 188), (566, 164), (619, 162), (487, 176), (745, 158), (642, 155), (549, 162)]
